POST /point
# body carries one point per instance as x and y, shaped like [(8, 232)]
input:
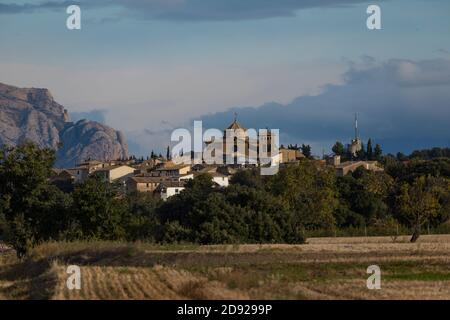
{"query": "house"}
[(333, 160), (62, 174), (147, 165), (184, 177), (92, 164), (142, 184), (64, 179), (220, 179), (290, 155), (81, 174), (219, 176), (114, 173), (84, 169), (171, 171), (168, 189)]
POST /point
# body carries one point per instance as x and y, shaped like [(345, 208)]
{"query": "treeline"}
[(282, 208), (369, 151), (426, 154)]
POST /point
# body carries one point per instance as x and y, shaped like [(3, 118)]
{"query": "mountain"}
[(30, 114)]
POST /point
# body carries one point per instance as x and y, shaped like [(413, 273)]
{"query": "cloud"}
[(192, 10), (402, 104)]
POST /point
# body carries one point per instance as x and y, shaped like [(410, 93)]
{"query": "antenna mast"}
[(356, 126)]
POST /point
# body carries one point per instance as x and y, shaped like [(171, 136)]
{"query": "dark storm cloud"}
[(192, 10), (401, 104)]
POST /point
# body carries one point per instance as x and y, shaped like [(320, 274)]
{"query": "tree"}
[(361, 154), (369, 152), (168, 153), (98, 211), (415, 168), (250, 178), (401, 156), (180, 207), (418, 202), (378, 152), (429, 154), (363, 197), (306, 150), (140, 219), (310, 193), (338, 148), (219, 221), (31, 208)]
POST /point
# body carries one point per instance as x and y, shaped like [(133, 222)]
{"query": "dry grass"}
[(157, 282), (324, 268)]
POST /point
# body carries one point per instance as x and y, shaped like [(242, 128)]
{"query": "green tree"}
[(401, 156), (418, 203), (268, 218), (168, 153), (306, 150), (361, 154), (218, 221), (32, 209), (250, 178), (98, 210), (310, 191), (141, 220), (369, 152), (180, 207), (378, 152), (363, 197), (338, 148)]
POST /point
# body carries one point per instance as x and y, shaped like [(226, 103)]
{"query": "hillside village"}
[(163, 177)]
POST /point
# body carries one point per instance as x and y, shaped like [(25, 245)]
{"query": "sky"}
[(146, 67)]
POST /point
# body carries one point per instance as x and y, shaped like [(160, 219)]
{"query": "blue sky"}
[(147, 66)]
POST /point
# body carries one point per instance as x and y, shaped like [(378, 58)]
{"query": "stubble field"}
[(324, 268)]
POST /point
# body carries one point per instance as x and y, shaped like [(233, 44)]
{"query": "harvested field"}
[(324, 268)]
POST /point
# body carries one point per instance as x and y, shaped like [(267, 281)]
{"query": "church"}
[(242, 146)]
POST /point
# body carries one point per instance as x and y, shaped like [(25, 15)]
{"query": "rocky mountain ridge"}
[(31, 114)]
